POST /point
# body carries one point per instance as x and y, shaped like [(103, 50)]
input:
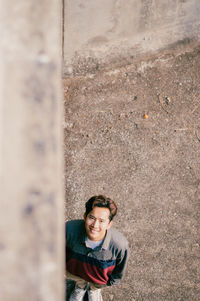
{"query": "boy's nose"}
[(96, 223)]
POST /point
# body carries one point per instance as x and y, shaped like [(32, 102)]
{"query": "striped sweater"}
[(104, 265)]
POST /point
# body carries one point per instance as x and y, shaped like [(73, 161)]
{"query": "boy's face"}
[(97, 222)]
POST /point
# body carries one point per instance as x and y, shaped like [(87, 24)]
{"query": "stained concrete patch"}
[(149, 165)]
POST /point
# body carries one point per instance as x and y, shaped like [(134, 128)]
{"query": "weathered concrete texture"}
[(99, 32), (31, 215), (133, 133)]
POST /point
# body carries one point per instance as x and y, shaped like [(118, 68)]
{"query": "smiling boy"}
[(96, 253)]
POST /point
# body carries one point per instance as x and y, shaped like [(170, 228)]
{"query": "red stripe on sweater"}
[(89, 272)]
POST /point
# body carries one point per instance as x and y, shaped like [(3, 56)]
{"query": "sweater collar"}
[(106, 241)]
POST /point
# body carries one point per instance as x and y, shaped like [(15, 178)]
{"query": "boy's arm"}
[(120, 268)]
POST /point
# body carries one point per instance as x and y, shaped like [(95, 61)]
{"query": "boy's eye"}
[(91, 217)]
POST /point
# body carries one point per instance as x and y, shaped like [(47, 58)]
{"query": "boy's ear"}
[(84, 216), (110, 224)]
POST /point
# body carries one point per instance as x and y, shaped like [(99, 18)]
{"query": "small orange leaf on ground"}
[(145, 116)]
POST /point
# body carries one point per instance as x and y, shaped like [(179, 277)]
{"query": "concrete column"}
[(31, 214)]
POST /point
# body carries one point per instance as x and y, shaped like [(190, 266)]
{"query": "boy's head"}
[(98, 216)]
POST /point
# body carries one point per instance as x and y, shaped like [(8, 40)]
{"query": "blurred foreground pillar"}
[(31, 207)]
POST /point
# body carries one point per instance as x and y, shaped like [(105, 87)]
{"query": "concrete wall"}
[(31, 215), (100, 31)]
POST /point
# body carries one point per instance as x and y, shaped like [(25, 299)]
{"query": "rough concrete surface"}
[(133, 134), (98, 32)]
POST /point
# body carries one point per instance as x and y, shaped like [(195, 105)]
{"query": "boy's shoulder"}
[(74, 225), (118, 238)]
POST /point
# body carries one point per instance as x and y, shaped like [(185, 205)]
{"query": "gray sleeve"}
[(121, 264)]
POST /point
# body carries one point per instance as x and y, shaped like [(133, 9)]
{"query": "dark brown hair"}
[(101, 201)]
